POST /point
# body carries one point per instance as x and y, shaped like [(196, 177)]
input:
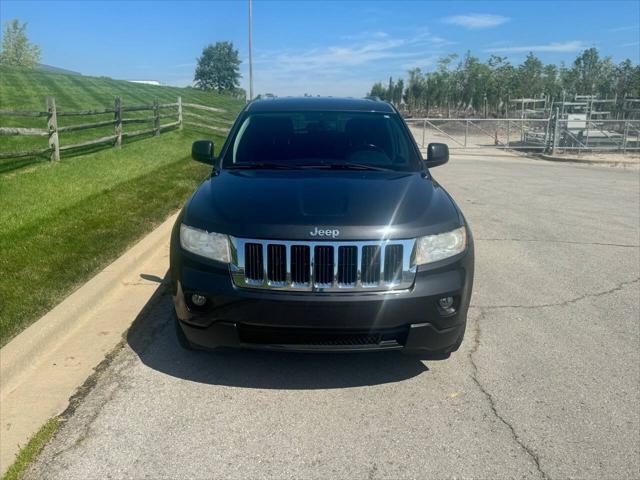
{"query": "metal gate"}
[(530, 134)]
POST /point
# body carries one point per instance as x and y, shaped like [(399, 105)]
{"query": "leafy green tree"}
[(530, 81), (415, 89), (377, 90), (550, 81), (586, 69), (390, 89), (17, 51), (397, 92), (500, 83), (605, 80), (218, 68), (487, 86), (627, 80)]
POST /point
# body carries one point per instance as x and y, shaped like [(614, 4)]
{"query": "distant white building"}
[(146, 82)]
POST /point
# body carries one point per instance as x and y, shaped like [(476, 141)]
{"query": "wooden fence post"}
[(180, 113), (118, 115), (52, 124), (156, 117)]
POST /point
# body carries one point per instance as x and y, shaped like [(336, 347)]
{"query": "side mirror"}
[(437, 154), (202, 151)]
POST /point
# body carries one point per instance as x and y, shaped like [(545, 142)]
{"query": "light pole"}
[(250, 56)]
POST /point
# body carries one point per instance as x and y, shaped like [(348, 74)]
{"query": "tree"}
[(627, 82), (397, 92), (550, 81), (218, 68), (377, 90), (587, 68), (476, 86), (17, 51), (530, 81), (500, 83)]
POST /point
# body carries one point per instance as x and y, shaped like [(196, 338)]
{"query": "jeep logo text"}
[(328, 232)]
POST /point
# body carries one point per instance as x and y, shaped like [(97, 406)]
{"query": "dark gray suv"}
[(321, 229)]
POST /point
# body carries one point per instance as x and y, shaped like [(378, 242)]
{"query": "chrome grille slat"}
[(371, 265), (347, 266), (323, 266), (392, 263), (276, 266), (323, 270), (253, 251)]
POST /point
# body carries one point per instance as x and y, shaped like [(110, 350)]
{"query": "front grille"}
[(322, 266)]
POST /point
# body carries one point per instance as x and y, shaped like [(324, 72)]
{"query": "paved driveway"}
[(546, 384)]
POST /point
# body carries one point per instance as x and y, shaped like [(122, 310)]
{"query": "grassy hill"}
[(62, 222), (28, 90)]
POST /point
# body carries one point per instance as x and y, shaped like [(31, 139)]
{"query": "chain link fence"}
[(549, 135)]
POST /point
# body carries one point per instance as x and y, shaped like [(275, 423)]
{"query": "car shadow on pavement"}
[(152, 338)]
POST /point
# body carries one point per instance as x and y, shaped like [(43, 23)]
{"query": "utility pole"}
[(250, 56)]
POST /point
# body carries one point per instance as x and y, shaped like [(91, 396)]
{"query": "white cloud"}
[(562, 47), (476, 21), (631, 44), (349, 55), (365, 35), (346, 68), (421, 63)]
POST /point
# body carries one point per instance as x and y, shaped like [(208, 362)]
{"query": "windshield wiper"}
[(348, 166), (261, 165)]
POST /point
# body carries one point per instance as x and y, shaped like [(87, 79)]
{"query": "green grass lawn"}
[(27, 90), (61, 223)]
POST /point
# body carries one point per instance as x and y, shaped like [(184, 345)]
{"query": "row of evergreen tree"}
[(486, 87)]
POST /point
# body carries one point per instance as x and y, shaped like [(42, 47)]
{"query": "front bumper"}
[(408, 320)]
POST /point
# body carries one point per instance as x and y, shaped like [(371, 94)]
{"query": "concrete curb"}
[(43, 365)]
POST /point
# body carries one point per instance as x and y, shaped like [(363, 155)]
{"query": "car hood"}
[(369, 205)]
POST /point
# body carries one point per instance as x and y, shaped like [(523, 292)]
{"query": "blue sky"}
[(326, 48)]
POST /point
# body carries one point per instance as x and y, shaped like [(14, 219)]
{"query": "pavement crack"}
[(563, 303), (542, 240), (492, 403)]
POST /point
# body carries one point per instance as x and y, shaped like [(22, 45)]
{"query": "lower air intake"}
[(285, 336)]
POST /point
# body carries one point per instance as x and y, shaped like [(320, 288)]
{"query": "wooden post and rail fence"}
[(53, 131)]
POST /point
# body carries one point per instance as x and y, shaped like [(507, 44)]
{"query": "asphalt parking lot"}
[(545, 385)]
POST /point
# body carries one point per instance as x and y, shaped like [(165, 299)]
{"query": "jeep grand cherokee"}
[(321, 228)]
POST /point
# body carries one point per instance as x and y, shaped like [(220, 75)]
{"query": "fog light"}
[(198, 300), (446, 303)]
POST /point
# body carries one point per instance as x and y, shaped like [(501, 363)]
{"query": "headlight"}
[(438, 247), (211, 245)]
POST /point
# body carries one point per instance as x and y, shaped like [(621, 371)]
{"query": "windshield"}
[(347, 140)]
